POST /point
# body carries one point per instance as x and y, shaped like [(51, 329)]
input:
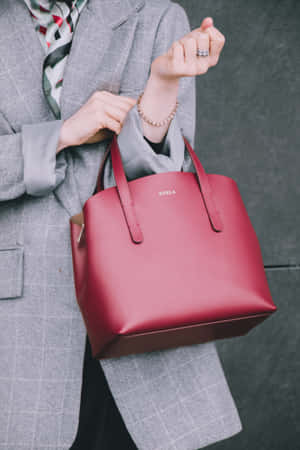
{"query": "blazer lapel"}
[(100, 48), (25, 59)]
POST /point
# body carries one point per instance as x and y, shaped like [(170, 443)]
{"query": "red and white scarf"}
[(55, 22)]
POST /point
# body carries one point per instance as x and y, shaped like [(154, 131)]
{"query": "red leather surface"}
[(182, 272)]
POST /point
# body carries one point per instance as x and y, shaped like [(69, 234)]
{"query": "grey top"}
[(173, 399)]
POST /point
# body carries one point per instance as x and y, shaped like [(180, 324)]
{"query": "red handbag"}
[(165, 260)]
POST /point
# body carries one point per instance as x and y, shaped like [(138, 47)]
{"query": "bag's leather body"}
[(165, 260)]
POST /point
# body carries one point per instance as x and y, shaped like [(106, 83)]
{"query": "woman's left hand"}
[(181, 59)]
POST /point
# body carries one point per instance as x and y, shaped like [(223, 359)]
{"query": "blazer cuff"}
[(43, 167), (138, 156)]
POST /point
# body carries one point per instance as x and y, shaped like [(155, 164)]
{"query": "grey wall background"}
[(248, 127)]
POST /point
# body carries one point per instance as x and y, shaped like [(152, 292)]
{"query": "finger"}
[(112, 124), (201, 36), (111, 97), (202, 40), (124, 106), (128, 99), (124, 102), (217, 41), (115, 112), (121, 102), (178, 52), (190, 50), (207, 22)]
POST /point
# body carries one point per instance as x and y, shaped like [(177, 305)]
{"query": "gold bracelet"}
[(152, 122)]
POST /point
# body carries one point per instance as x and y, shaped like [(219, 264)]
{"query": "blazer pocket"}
[(11, 271)]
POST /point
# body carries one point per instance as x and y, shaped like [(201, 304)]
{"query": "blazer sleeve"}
[(139, 158), (28, 159)]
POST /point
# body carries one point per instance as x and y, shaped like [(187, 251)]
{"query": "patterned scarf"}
[(55, 23)]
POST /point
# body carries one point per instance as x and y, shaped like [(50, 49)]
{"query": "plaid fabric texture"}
[(177, 399)]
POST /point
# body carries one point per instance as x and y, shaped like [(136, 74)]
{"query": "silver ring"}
[(201, 52)]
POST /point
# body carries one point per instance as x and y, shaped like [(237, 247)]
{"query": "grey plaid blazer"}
[(173, 399)]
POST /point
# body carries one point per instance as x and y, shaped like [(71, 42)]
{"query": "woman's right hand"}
[(102, 114)]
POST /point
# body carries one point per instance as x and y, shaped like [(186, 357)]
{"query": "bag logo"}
[(167, 192)]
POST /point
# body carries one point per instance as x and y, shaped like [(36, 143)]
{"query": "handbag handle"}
[(126, 198)]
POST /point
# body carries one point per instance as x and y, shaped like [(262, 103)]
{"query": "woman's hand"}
[(181, 59), (103, 114)]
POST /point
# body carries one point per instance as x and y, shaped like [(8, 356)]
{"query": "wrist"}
[(159, 97), (163, 86), (157, 104)]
